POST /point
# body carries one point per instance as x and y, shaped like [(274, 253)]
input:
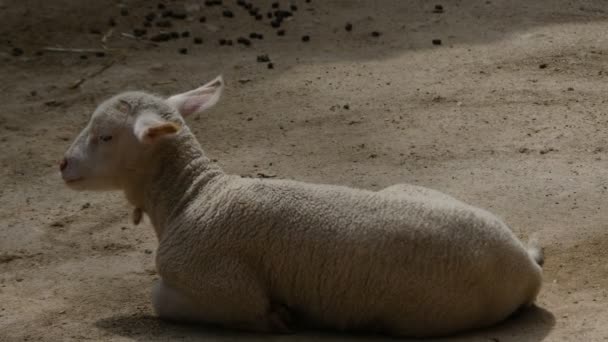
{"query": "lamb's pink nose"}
[(63, 164)]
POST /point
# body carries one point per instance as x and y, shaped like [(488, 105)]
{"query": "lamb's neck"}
[(178, 167)]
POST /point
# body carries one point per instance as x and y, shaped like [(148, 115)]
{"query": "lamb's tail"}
[(535, 250)]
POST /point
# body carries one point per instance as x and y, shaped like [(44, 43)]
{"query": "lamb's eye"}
[(105, 138)]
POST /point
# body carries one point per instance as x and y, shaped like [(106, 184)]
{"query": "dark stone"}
[(150, 16), (17, 52), (244, 41), (138, 32), (161, 37), (164, 23)]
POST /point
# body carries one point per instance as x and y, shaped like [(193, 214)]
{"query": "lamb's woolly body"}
[(407, 260), (254, 253)]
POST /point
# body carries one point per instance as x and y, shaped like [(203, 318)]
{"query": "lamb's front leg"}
[(169, 304)]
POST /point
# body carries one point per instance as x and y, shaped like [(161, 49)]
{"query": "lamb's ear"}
[(150, 127), (199, 99)]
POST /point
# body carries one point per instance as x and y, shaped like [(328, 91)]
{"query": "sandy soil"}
[(507, 113)]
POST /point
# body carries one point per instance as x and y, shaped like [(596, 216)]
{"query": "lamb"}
[(268, 255)]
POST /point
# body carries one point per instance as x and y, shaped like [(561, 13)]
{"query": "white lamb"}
[(263, 255)]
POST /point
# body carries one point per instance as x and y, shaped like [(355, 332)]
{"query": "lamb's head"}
[(126, 128)]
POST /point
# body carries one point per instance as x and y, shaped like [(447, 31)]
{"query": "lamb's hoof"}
[(280, 320)]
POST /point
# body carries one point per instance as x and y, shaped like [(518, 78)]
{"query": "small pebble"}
[(293, 7), (282, 14), (174, 35), (376, 34), (161, 37), (160, 6), (305, 38), (100, 54), (263, 59), (222, 42), (164, 23), (183, 51), (202, 19), (244, 41), (186, 34), (275, 5), (347, 107), (111, 22), (84, 57), (570, 89), (179, 15), (270, 66), (259, 17), (139, 32), (348, 27), (436, 41), (17, 52), (542, 66), (198, 40), (280, 32), (438, 9)]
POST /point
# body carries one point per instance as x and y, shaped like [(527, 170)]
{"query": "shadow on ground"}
[(531, 325), (399, 25)]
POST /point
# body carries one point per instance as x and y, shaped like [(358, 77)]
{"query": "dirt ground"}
[(508, 113)]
